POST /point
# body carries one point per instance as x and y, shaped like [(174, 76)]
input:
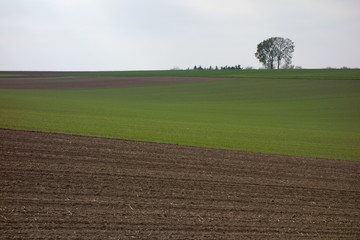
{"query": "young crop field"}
[(217, 155), (312, 74), (281, 112), (338, 74)]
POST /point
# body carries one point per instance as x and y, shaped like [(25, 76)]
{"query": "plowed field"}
[(50, 80), (57, 186)]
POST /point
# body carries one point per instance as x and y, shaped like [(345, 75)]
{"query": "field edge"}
[(177, 144)]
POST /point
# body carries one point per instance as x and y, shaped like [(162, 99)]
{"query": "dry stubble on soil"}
[(57, 186)]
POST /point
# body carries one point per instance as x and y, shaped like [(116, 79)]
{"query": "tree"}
[(275, 50)]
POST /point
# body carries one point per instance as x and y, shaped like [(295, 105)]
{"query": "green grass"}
[(335, 74), (313, 74), (310, 118)]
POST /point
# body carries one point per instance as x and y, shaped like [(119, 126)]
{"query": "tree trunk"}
[(278, 62)]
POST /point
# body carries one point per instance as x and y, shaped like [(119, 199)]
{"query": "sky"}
[(109, 35)]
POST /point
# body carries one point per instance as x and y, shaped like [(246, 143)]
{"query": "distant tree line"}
[(236, 67)]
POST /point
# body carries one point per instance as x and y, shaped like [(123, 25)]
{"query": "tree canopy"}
[(275, 51)]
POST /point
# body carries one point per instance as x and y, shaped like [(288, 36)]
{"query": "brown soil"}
[(48, 80), (56, 186), (34, 74)]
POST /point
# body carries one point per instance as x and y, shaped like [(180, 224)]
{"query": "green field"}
[(324, 74), (305, 113)]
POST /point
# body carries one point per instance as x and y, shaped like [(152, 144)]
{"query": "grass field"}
[(306, 117), (325, 74)]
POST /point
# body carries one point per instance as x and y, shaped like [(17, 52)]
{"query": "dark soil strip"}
[(35, 74), (94, 82), (51, 80), (57, 186)]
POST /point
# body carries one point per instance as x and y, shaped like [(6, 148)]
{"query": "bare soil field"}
[(34, 74), (56, 186), (49, 80)]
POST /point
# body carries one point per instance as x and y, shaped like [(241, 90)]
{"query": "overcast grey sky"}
[(162, 34)]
